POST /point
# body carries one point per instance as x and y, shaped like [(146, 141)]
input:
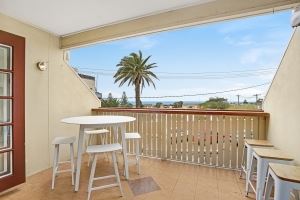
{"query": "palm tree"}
[(135, 70)]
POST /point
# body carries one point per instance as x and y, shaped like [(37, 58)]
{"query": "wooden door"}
[(12, 93)]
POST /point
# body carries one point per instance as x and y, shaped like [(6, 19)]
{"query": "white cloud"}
[(139, 43), (243, 41), (256, 55)]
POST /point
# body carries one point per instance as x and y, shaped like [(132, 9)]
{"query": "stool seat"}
[(289, 173), (64, 140), (132, 136), (103, 148), (263, 143), (272, 154), (96, 131)]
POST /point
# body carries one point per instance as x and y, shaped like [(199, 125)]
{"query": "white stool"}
[(96, 149), (101, 132), (285, 179), (263, 158), (56, 142), (249, 144), (136, 138), (95, 132)]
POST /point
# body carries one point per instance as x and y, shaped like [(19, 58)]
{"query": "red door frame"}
[(18, 109)]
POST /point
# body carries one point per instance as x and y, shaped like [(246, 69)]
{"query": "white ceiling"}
[(63, 17)]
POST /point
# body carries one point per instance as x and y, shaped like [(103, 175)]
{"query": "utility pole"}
[(238, 96), (256, 97)]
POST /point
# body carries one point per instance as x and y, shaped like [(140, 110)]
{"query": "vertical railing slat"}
[(190, 137), (241, 137), (169, 135), (221, 134), (255, 127), (153, 134), (159, 135), (164, 133), (174, 151), (213, 139), (202, 139), (184, 133), (233, 156), (227, 142)]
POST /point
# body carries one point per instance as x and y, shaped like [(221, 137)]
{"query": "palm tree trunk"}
[(138, 102)]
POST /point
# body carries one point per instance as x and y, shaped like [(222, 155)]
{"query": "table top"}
[(286, 172), (272, 154), (98, 120), (263, 143)]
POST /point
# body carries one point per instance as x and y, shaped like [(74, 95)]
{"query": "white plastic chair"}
[(57, 142)]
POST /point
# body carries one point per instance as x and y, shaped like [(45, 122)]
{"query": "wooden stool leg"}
[(269, 186), (137, 155), (92, 175), (117, 171), (282, 190), (72, 162), (55, 164)]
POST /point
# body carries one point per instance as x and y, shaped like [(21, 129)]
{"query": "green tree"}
[(134, 70), (124, 100), (158, 104), (215, 103), (110, 101), (178, 104)]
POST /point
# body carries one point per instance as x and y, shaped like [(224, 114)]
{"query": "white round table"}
[(87, 122)]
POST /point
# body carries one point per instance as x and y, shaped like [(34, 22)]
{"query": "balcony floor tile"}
[(177, 181)]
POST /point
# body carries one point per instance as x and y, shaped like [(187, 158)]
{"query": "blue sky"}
[(252, 43)]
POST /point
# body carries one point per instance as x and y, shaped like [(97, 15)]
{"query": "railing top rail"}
[(186, 111)]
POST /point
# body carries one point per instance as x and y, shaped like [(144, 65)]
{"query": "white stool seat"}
[(64, 140), (103, 148), (132, 136), (96, 131)]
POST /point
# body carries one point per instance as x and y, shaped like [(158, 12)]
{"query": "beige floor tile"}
[(177, 182)]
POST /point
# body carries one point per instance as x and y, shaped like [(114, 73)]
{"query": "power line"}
[(187, 73), (195, 76), (202, 94)]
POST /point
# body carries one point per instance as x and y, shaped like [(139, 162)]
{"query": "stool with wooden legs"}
[(94, 150), (285, 179), (57, 142), (263, 157), (136, 137), (249, 144)]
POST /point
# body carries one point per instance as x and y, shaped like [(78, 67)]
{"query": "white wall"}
[(50, 95), (283, 101)]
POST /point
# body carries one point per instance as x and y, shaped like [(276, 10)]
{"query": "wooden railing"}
[(196, 136)]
